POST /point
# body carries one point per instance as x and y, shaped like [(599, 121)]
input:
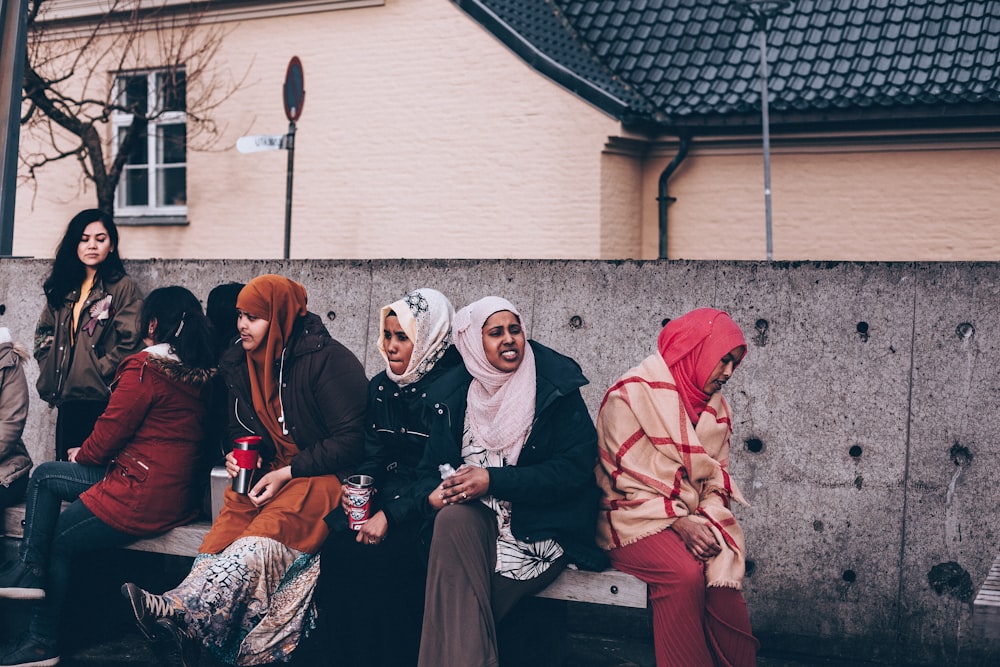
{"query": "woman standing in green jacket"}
[(90, 322)]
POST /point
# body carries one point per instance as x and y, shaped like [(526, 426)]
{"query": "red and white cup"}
[(245, 453), (358, 491)]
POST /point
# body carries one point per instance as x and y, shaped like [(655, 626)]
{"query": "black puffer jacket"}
[(323, 396), (396, 437), (552, 490)]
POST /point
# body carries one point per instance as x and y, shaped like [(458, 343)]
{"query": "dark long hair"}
[(68, 271), (181, 323), (220, 308)]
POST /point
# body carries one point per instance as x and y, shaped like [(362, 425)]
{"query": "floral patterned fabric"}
[(515, 559), (252, 603)]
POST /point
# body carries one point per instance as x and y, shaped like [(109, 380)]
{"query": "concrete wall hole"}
[(751, 567), (760, 338), (855, 451), (965, 331), (330, 315), (960, 455), (575, 322), (664, 321), (818, 526), (754, 445), (953, 580), (863, 331), (849, 576), (859, 481)]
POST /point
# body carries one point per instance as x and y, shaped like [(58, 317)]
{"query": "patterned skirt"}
[(251, 603)]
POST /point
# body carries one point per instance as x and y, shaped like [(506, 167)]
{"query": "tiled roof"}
[(696, 62)]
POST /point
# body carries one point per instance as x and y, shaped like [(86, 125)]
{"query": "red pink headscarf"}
[(501, 405), (692, 346), (280, 301)]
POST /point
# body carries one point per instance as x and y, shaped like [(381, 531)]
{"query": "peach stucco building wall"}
[(422, 136), (832, 198)]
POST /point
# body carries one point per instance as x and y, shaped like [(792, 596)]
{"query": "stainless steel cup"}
[(247, 462)]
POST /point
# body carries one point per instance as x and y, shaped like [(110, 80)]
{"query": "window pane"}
[(171, 144), (171, 186), (172, 90), (138, 152), (134, 92), (134, 188)]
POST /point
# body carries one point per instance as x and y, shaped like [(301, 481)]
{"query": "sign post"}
[(294, 97)]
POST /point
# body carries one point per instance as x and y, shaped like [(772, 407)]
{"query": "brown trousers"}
[(465, 598)]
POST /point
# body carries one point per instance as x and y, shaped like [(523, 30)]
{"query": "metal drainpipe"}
[(664, 199)]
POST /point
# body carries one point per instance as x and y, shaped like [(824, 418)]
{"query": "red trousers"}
[(693, 626)]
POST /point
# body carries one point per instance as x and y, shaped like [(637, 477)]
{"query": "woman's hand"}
[(71, 454), (468, 483), (232, 469), (436, 498), (269, 485), (374, 529), (697, 536)]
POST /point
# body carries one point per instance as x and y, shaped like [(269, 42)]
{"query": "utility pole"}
[(13, 28), (761, 12)]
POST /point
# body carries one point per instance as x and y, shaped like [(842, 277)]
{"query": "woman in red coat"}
[(133, 477)]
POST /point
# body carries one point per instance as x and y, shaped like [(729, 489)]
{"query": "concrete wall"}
[(866, 414)]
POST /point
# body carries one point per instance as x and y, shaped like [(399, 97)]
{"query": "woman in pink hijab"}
[(664, 432), (522, 503)]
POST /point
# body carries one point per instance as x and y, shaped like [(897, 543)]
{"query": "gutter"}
[(663, 199)]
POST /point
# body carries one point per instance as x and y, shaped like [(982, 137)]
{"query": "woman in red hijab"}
[(248, 598), (663, 433)]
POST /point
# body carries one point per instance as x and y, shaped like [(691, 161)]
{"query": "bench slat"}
[(609, 587)]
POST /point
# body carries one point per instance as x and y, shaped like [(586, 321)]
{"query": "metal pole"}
[(13, 28), (766, 132), (288, 188)]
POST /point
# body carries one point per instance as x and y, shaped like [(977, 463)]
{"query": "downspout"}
[(663, 198)]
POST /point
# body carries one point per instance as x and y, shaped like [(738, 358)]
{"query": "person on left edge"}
[(15, 463), (249, 596), (133, 477), (90, 322)]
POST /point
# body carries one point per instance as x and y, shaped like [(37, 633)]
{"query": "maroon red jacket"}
[(150, 438)]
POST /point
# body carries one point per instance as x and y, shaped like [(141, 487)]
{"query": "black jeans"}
[(52, 536)]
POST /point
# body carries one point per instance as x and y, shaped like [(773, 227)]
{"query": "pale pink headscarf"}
[(501, 406)]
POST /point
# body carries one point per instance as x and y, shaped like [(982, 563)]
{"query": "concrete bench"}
[(986, 606), (609, 587)]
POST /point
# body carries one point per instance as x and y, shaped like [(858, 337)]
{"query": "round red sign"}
[(294, 91)]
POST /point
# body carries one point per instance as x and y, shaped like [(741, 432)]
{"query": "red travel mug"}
[(245, 453)]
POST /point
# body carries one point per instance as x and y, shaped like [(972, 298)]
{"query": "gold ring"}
[(465, 496)]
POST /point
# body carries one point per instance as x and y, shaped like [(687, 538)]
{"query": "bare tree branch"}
[(69, 90)]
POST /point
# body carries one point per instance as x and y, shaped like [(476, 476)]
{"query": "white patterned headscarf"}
[(501, 405), (425, 316)]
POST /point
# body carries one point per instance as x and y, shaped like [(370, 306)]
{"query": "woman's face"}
[(503, 341), (94, 246), (398, 347), (723, 370), (253, 330)]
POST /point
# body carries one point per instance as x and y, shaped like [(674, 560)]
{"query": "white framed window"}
[(154, 181)]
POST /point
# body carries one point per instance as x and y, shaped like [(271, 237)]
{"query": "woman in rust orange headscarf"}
[(248, 598), (663, 433)]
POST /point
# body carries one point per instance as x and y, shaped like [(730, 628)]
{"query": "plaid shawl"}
[(655, 467)]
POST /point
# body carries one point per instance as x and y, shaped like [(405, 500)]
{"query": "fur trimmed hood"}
[(179, 372)]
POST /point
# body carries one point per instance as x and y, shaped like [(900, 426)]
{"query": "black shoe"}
[(20, 581), (188, 647), (147, 608), (30, 652)]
